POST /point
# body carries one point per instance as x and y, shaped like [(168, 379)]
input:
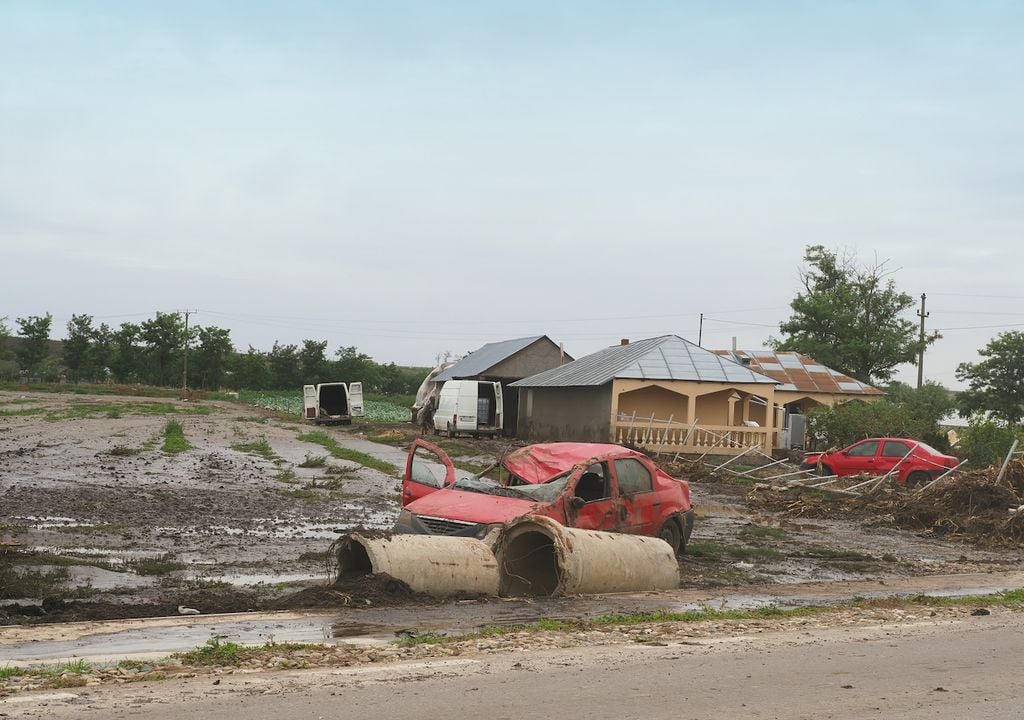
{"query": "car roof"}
[(543, 461)]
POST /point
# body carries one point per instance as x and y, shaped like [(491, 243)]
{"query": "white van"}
[(333, 402), (469, 406)]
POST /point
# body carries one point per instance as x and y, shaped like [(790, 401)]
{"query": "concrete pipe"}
[(538, 556), (431, 564)]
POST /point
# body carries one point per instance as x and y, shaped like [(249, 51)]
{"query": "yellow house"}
[(662, 393)]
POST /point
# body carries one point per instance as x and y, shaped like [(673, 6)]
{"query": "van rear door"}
[(499, 407), (355, 399), (466, 405), (310, 403)]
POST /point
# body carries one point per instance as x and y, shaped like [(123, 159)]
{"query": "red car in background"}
[(877, 456), (583, 485)]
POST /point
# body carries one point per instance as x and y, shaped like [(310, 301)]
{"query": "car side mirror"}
[(576, 502)]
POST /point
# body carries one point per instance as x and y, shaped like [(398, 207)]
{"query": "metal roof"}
[(799, 373), (668, 357), (479, 361)]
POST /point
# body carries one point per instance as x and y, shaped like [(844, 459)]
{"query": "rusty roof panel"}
[(800, 373)]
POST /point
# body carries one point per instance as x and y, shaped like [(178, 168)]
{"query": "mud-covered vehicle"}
[(583, 485)]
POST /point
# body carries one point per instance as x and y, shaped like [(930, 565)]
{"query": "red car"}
[(583, 485), (877, 456)]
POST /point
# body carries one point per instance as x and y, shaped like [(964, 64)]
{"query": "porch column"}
[(691, 408), (746, 408)]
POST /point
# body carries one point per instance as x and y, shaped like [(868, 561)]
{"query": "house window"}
[(633, 476)]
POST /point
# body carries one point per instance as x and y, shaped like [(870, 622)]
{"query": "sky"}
[(414, 178)]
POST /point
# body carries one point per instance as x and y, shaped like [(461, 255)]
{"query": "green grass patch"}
[(761, 532), (123, 451), (174, 438), (218, 652), (156, 566), (9, 671), (718, 551), (29, 582), (331, 445), (286, 475), (259, 447), (314, 461), (19, 412)]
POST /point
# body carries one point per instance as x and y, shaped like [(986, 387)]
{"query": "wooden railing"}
[(669, 436)]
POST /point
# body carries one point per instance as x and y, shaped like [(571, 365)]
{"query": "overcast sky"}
[(418, 177)]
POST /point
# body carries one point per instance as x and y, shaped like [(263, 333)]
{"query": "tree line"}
[(151, 353)]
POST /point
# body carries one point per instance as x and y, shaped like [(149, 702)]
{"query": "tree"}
[(313, 361), (851, 317), (986, 440), (354, 366), (211, 357), (163, 336), (8, 368), (102, 349), (996, 384), (125, 355), (35, 345), (77, 349), (284, 366), (249, 371)]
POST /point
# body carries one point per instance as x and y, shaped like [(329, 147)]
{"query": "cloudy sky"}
[(416, 177)]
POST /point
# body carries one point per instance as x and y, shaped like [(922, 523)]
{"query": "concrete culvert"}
[(539, 556), (431, 564)]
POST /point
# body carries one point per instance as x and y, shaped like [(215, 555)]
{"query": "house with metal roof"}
[(505, 362), (663, 393), (804, 383)]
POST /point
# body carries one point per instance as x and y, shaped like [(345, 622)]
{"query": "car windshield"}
[(545, 492), (928, 448), (486, 486)]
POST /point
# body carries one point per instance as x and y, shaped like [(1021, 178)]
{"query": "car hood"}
[(539, 463), (473, 507)]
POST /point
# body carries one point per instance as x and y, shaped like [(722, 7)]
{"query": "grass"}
[(174, 438), (8, 671), (824, 553), (286, 475), (123, 451), (84, 410), (258, 447), (217, 652), (21, 412), (313, 461), (331, 445), (299, 493), (109, 389), (156, 566), (30, 582), (761, 532), (715, 551)]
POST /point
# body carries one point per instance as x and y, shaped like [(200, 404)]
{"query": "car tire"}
[(451, 432), (825, 471), (671, 534), (918, 477)]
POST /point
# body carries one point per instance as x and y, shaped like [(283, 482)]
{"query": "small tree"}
[(125, 354), (164, 337), (313, 361), (211, 357), (987, 440), (35, 344), (284, 366), (8, 368), (996, 384), (249, 371), (851, 317), (77, 349)]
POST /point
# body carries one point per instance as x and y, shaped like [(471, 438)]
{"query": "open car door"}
[(355, 399), (310, 404), (428, 468)]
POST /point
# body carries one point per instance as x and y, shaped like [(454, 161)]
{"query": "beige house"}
[(804, 383), (661, 393)]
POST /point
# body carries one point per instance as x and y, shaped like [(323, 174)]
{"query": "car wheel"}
[(451, 431), (918, 477), (670, 533), (825, 471)]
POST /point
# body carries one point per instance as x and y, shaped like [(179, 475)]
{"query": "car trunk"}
[(333, 400)]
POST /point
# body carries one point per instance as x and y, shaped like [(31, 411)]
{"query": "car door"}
[(427, 469), (638, 503), (310, 405), (860, 458), (893, 452), (355, 399), (591, 502)]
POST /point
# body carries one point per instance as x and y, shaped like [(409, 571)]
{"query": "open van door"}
[(427, 469), (355, 399), (310, 402), (499, 408)]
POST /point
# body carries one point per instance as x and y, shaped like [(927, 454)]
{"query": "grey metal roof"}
[(668, 357), (479, 361)]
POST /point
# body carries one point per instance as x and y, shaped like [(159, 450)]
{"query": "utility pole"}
[(700, 330), (184, 360), (920, 353)]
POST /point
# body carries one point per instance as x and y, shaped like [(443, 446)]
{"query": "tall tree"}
[(313, 361), (164, 337), (249, 371), (77, 349), (284, 366), (35, 344), (8, 368), (125, 355), (354, 366), (996, 384), (851, 317), (102, 350), (210, 357)]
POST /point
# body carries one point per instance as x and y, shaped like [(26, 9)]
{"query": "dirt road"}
[(935, 668)]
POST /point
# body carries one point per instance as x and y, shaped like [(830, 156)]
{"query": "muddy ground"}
[(105, 523)]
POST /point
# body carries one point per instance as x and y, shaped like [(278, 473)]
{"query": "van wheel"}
[(451, 432)]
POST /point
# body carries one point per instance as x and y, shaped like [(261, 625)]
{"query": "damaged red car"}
[(590, 486), (878, 456)]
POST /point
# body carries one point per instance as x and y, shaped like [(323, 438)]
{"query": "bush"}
[(986, 441)]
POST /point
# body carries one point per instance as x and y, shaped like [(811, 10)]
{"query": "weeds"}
[(174, 438), (313, 461), (8, 671), (713, 550), (761, 532), (258, 447), (30, 582), (123, 451), (323, 439), (156, 566), (214, 652)]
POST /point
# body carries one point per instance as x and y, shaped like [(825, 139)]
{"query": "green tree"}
[(850, 317), (35, 344), (987, 440), (285, 373), (163, 338), (354, 366), (77, 349), (313, 361), (8, 368), (102, 350), (125, 355), (211, 357), (250, 371), (996, 384)]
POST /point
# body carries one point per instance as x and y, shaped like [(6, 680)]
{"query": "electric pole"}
[(184, 358), (700, 330), (920, 352)]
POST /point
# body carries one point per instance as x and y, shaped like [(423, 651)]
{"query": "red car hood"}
[(471, 506), (539, 463)]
